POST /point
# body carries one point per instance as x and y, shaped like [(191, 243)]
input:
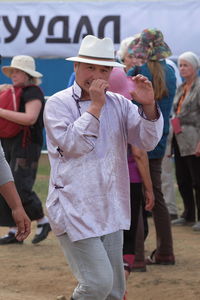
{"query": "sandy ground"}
[(30, 272)]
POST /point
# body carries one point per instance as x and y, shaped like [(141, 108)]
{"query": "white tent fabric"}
[(46, 29)]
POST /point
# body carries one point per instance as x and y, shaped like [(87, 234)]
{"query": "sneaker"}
[(154, 259), (182, 222), (45, 229), (196, 227), (9, 239)]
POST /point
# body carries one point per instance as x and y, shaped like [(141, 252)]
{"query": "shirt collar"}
[(77, 90)]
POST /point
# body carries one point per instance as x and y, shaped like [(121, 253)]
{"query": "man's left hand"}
[(143, 92)]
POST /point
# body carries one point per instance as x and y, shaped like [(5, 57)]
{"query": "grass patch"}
[(42, 179)]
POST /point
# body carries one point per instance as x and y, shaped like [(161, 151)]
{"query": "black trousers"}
[(137, 200), (187, 170), (23, 162)]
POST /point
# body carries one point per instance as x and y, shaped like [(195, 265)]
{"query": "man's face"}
[(86, 73)]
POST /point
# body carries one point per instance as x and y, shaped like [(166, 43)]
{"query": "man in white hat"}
[(88, 130)]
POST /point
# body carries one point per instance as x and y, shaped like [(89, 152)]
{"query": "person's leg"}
[(25, 171), (23, 162), (130, 235), (167, 178), (164, 249), (145, 221), (168, 186), (113, 244), (184, 182), (194, 166), (24, 165), (97, 264), (139, 263)]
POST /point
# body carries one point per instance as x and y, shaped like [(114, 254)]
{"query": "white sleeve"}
[(5, 172), (75, 137)]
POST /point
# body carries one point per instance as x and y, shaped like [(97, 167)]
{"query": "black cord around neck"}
[(77, 100)]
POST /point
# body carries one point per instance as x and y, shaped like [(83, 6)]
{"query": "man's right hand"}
[(97, 95)]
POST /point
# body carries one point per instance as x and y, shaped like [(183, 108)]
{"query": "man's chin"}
[(85, 93)]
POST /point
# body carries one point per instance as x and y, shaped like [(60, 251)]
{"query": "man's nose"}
[(97, 74)]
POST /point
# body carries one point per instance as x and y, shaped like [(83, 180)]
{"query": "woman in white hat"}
[(23, 150)]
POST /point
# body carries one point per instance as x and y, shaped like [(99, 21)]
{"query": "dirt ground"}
[(30, 272)]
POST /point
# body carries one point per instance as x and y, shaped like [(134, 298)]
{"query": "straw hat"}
[(96, 51), (24, 63)]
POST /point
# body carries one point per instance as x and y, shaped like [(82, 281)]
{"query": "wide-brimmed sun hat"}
[(150, 46), (96, 51), (24, 63)]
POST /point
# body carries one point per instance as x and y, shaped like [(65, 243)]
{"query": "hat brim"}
[(96, 62), (7, 70), (159, 52)]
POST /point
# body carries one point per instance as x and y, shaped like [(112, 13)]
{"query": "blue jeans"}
[(97, 264)]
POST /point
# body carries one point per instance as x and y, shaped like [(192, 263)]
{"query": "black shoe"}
[(9, 239), (173, 216), (148, 214), (46, 228)]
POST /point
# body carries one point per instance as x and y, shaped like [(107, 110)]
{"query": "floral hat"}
[(150, 45)]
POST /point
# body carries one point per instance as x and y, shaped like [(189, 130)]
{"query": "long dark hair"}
[(159, 82)]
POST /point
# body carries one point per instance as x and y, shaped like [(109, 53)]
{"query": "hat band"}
[(96, 58)]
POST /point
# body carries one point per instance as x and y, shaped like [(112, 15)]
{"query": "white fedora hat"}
[(24, 63), (96, 51)]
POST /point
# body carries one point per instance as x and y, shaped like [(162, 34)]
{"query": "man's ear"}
[(76, 65)]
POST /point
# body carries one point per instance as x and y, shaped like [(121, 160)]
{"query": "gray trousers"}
[(168, 185), (97, 264), (167, 178)]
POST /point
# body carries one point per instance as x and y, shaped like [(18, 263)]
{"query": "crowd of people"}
[(112, 136)]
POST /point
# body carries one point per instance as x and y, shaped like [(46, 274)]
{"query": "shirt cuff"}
[(92, 115), (142, 114)]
